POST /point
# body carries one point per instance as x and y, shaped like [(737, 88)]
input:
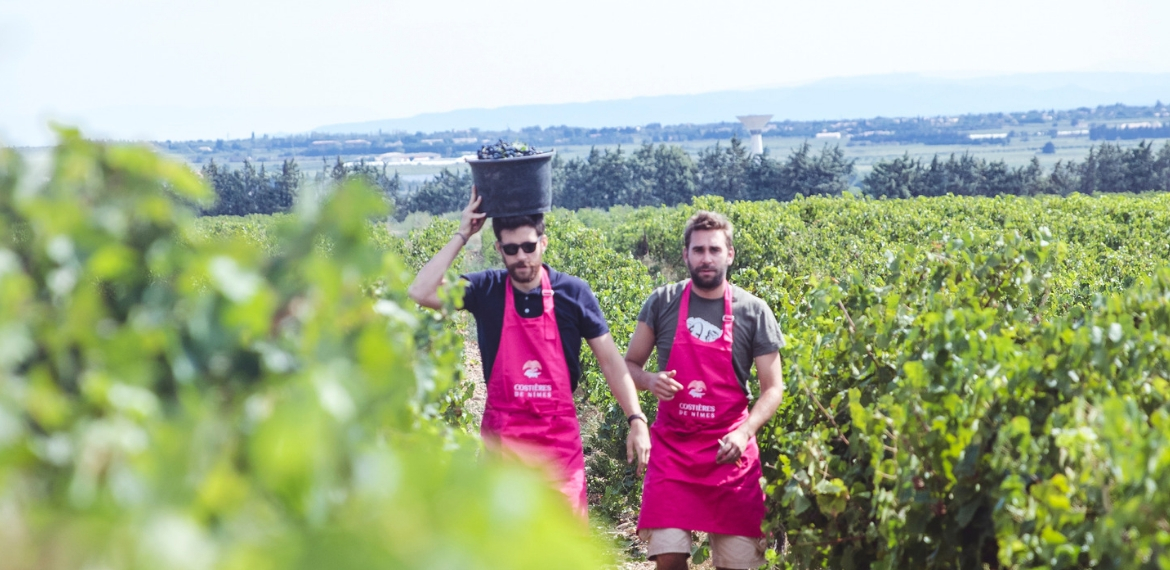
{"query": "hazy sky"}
[(170, 69)]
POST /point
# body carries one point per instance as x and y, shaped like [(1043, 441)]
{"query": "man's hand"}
[(638, 445), (472, 220), (732, 445), (664, 385), (621, 385), (424, 290)]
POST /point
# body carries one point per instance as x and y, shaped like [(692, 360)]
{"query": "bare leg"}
[(672, 561)]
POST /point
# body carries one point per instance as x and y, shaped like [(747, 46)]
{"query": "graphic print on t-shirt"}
[(703, 330)]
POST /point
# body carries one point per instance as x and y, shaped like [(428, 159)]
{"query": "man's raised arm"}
[(425, 288)]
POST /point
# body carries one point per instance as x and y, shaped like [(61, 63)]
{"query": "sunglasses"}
[(514, 248)]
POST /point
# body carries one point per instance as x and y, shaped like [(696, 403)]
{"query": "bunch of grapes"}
[(505, 150)]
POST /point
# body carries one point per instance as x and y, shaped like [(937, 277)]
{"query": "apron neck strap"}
[(546, 294), (728, 315), (684, 307), (549, 316), (545, 287), (545, 290)]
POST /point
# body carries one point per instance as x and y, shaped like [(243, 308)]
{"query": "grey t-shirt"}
[(754, 333)]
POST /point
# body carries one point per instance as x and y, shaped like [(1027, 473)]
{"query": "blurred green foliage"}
[(179, 395)]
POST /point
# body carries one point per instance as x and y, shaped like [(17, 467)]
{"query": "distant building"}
[(1146, 125), (985, 136), (465, 140), (834, 135), (406, 158), (1075, 133), (320, 144), (357, 142), (374, 163)]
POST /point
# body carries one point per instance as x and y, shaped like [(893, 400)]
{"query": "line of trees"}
[(249, 191), (446, 192), (1107, 168), (667, 175), (380, 178), (663, 174), (1113, 133)]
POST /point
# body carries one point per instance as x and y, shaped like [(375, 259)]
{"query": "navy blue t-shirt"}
[(578, 313)]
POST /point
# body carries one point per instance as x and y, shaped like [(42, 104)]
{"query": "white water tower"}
[(755, 125)]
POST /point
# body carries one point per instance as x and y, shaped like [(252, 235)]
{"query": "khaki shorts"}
[(727, 550)]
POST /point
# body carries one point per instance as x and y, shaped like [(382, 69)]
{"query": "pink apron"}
[(684, 487), (530, 412)]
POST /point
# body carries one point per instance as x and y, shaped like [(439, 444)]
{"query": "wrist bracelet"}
[(630, 419), (462, 237)]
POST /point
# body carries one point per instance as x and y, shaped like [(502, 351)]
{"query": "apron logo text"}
[(532, 391), (697, 411)]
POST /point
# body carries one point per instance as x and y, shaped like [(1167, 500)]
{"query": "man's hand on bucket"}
[(472, 220)]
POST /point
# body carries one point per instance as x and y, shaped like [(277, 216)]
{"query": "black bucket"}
[(516, 186)]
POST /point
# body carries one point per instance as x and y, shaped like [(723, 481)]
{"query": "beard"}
[(709, 281), (522, 272)]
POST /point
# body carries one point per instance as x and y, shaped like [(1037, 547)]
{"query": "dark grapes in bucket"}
[(505, 150)]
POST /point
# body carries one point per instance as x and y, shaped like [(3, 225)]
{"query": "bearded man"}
[(704, 474), (530, 320)]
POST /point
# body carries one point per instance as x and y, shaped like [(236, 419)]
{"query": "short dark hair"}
[(536, 221), (704, 220)]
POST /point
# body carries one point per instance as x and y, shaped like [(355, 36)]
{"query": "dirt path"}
[(473, 372)]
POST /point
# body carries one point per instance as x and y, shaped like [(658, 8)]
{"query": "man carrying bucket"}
[(705, 472), (530, 320)]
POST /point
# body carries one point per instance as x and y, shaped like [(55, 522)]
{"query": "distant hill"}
[(906, 95)]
